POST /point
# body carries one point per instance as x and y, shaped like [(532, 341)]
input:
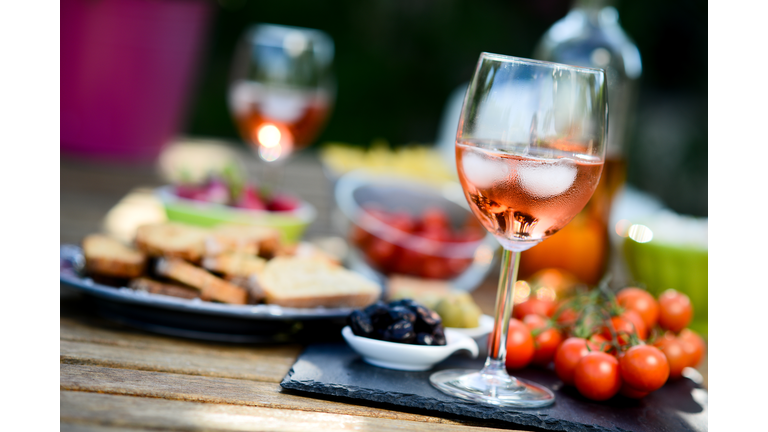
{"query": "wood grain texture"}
[(102, 332), (214, 390), (255, 367), (128, 412), (74, 427)]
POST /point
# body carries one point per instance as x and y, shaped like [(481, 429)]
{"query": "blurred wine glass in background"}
[(281, 90)]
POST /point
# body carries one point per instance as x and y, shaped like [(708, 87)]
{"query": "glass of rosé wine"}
[(281, 88), (529, 153)]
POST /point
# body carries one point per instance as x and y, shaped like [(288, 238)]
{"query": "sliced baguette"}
[(255, 294), (249, 239), (172, 239), (164, 288), (310, 282), (307, 250), (234, 264), (210, 286), (106, 256)]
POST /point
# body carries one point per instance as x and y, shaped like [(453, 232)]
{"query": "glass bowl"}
[(376, 209)]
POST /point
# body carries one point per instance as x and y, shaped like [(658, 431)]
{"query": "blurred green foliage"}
[(397, 61)]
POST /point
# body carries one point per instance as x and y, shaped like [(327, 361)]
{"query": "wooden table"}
[(114, 378)]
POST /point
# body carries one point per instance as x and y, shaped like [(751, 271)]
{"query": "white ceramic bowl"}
[(392, 355)]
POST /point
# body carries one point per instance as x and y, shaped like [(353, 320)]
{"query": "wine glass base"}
[(492, 389)]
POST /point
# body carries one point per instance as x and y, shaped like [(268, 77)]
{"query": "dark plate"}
[(199, 319)]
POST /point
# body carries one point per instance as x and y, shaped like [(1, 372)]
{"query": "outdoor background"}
[(397, 61)]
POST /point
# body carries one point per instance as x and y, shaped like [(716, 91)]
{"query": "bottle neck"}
[(598, 13), (592, 4)]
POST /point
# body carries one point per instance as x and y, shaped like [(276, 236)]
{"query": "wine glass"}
[(529, 153), (281, 88)]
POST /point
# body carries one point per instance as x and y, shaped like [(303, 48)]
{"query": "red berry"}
[(283, 202)]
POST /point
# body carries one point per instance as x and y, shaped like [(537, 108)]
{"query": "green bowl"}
[(658, 266), (290, 224)]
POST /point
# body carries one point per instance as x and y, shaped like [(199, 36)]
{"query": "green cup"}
[(658, 266)]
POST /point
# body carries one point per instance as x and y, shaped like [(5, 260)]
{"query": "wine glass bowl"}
[(281, 88), (530, 148)]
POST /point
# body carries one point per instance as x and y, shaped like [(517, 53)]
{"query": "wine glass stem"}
[(497, 342)]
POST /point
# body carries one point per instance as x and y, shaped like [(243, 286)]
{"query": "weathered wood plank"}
[(256, 367), (72, 427), (212, 390), (139, 412), (103, 332)]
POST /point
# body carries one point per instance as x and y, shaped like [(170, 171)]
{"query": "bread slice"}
[(311, 282), (249, 239), (234, 264), (307, 250), (172, 239), (164, 288), (107, 256), (210, 286), (250, 284)]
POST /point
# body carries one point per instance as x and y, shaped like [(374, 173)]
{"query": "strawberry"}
[(250, 199), (282, 202)]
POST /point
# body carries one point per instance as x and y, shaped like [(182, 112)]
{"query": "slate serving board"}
[(334, 369)]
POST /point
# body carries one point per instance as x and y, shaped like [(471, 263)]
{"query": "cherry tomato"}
[(676, 356), (644, 368), (546, 342), (407, 261), (693, 346), (359, 237), (381, 253), (434, 267), (601, 344), (520, 347), (619, 326), (566, 316), (534, 306), (568, 355), (435, 217), (637, 322), (630, 392), (642, 302), (597, 376), (675, 310)]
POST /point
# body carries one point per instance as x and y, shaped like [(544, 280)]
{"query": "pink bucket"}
[(127, 67)]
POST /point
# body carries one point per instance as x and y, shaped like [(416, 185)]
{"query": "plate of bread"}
[(236, 283)]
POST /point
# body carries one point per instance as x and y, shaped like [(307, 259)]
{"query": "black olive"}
[(379, 315), (426, 320), (382, 334), (403, 302), (424, 339), (397, 313), (371, 309), (360, 323), (439, 335), (401, 331)]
